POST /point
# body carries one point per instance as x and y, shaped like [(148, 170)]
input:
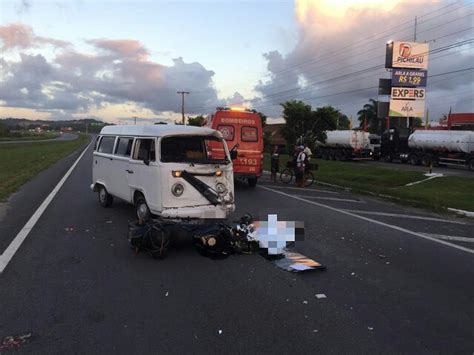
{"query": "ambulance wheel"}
[(141, 208), (252, 182), (105, 199)]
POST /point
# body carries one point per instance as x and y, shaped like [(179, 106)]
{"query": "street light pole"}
[(182, 103)]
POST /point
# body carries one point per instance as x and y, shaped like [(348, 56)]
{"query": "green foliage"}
[(196, 121), (304, 125), (4, 130), (343, 122), (369, 112), (263, 117), (417, 122)]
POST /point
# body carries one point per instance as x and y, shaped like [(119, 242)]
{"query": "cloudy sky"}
[(115, 60)]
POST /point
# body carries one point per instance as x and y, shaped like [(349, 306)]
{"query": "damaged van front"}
[(197, 176)]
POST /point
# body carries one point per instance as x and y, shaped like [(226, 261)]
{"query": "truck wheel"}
[(413, 159), (252, 182), (105, 199), (470, 164), (426, 160), (141, 208), (387, 158)]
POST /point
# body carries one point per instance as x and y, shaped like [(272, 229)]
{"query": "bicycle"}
[(286, 176)]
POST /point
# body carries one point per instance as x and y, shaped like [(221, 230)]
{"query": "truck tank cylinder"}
[(451, 141), (346, 139)]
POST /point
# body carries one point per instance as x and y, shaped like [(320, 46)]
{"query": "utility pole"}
[(182, 103), (416, 22), (135, 118)]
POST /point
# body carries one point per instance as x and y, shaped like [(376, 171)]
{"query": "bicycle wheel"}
[(286, 176), (308, 178)]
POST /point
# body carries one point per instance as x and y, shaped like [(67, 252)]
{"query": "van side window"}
[(249, 134), (144, 149), (124, 146), (227, 132), (106, 144)]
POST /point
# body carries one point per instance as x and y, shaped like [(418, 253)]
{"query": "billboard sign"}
[(410, 55), (409, 78), (408, 93), (407, 108)]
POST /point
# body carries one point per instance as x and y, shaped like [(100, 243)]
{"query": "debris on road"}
[(14, 342), (166, 294), (221, 239), (294, 262), (108, 222), (370, 328), (220, 331), (382, 256), (305, 302), (320, 296)]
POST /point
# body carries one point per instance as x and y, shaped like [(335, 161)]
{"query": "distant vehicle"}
[(345, 145), (166, 170), (242, 130), (451, 143), (375, 145)]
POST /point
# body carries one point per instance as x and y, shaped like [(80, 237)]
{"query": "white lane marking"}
[(15, 244), (405, 216), (332, 199), (420, 181), (450, 237), (400, 229), (299, 188)]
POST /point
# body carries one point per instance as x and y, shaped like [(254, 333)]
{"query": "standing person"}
[(308, 152), (274, 163), (300, 166)]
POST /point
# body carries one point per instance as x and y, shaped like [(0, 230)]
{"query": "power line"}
[(355, 73)]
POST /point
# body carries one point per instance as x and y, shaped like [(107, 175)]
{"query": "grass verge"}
[(436, 194), (30, 136), (21, 161)]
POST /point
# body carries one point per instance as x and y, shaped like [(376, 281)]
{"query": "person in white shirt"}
[(308, 152), (300, 166)]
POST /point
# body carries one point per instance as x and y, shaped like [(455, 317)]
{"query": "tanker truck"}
[(429, 146), (345, 145)]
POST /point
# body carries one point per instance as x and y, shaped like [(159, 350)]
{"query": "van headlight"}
[(177, 189), (220, 188)]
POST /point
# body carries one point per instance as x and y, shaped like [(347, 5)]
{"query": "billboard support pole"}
[(416, 22)]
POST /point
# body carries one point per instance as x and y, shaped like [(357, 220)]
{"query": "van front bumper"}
[(200, 212)]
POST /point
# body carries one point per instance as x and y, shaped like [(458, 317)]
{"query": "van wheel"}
[(252, 182), (105, 198), (141, 208)]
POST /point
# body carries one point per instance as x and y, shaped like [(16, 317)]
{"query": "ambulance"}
[(242, 131)]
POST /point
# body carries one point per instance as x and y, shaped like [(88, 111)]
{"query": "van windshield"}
[(193, 149)]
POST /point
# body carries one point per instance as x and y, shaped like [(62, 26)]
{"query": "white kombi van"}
[(170, 171)]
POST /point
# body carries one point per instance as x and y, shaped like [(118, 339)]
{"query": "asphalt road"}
[(392, 286), (62, 137)]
